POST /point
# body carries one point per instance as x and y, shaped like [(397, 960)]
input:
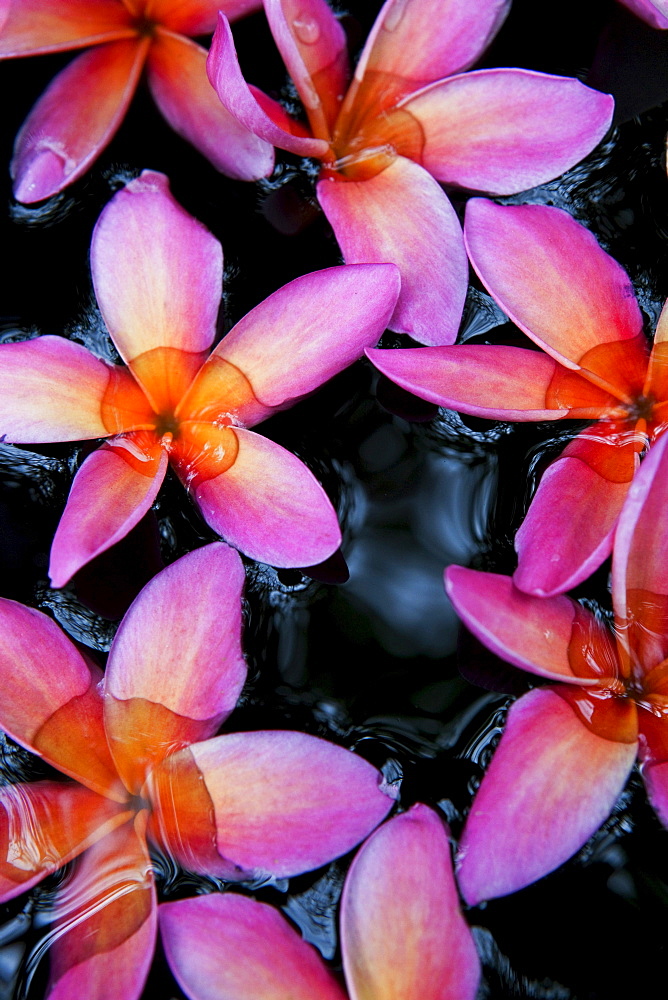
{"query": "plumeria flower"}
[(555, 282), (409, 119), (157, 275), (80, 112), (402, 935), (147, 769), (568, 748), (654, 12)]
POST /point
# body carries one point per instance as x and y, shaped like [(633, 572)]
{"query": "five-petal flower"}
[(567, 748), (140, 745), (555, 282), (402, 935), (157, 275), (409, 119), (85, 104)]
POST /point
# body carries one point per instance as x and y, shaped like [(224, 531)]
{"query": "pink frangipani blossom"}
[(568, 747), (147, 768), (80, 112), (551, 277), (402, 934), (408, 119), (157, 274)]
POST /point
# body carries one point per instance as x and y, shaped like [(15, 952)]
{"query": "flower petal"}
[(49, 700), (283, 802), (416, 41), (228, 82), (404, 936), (110, 494), (198, 17), (556, 283), (51, 389), (158, 276), (551, 784), (506, 130), (640, 561), (268, 505), (654, 12), (75, 118), (36, 26), (106, 923), (45, 824), (403, 217), (321, 321), (247, 949), (181, 89), (569, 527), (172, 680), (532, 633), (314, 49)]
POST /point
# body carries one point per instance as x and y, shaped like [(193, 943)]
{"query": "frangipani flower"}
[(147, 768), (402, 935), (82, 109), (654, 12), (409, 119), (568, 748), (555, 282), (157, 275)]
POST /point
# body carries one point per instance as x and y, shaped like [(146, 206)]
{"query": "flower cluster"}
[(137, 776)]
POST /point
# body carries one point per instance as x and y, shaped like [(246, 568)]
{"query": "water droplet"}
[(307, 29), (395, 15)]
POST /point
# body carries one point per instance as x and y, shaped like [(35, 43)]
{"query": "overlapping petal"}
[(555, 282), (75, 118), (505, 130), (402, 215), (36, 26), (179, 84), (404, 936), (550, 785), (247, 949), (111, 492)]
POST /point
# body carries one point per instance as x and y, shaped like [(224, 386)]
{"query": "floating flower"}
[(402, 935), (157, 275), (147, 768), (408, 120), (79, 113), (557, 284), (568, 748)]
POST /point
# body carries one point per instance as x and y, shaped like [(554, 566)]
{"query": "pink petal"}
[(75, 118), (506, 130), (416, 41), (178, 81), (105, 923), (229, 947), (640, 561), (158, 277), (269, 505), (321, 321), (551, 784), (228, 82), (49, 701), (569, 527), (35, 26), (45, 824), (530, 632), (51, 390), (403, 217), (315, 51), (555, 282), (283, 802), (654, 12), (404, 936), (170, 679), (110, 494), (198, 17)]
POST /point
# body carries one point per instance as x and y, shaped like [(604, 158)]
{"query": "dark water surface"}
[(374, 663)]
